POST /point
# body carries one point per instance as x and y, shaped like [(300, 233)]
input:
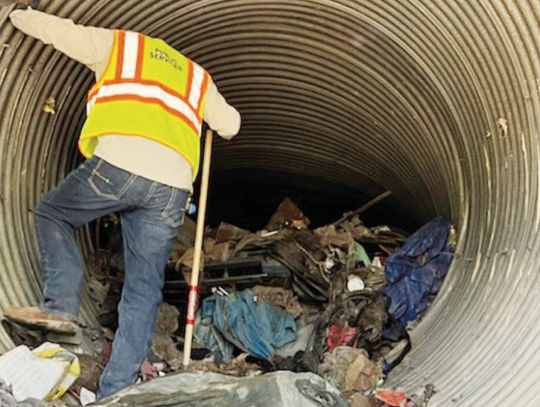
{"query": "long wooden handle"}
[(199, 235)]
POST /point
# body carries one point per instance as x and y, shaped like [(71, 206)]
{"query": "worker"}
[(141, 141)]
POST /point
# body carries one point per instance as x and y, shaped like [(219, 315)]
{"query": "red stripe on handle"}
[(192, 303)]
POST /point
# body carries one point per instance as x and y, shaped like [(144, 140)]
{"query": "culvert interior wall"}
[(438, 101)]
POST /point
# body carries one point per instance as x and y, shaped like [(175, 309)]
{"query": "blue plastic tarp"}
[(256, 327), (418, 269)]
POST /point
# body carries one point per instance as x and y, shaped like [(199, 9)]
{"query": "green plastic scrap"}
[(361, 255)]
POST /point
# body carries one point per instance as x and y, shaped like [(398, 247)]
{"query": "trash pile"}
[(318, 315), (340, 308)]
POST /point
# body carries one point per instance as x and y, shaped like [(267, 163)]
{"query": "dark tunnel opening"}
[(248, 198)]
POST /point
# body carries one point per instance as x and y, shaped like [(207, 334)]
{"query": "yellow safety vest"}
[(151, 90)]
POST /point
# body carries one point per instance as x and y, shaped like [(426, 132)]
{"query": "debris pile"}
[(340, 307), (333, 301)]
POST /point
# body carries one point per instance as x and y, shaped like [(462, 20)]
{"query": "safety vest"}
[(151, 90)]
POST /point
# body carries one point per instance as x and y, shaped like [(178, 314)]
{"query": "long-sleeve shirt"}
[(91, 46)]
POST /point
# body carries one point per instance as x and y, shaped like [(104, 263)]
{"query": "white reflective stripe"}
[(149, 91), (131, 50), (196, 86), (90, 104)]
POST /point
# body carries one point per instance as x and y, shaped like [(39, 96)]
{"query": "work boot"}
[(33, 316)]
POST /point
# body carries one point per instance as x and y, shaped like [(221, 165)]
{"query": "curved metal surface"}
[(436, 100)]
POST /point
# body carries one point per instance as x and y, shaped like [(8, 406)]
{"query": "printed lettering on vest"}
[(163, 56)]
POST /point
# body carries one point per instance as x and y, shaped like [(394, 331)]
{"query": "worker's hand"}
[(24, 4)]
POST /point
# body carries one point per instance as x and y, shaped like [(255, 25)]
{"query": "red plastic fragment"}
[(336, 336), (393, 398)]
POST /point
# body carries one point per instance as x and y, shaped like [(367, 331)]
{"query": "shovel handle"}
[(199, 235)]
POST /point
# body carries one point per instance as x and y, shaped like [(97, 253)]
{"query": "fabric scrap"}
[(258, 328)]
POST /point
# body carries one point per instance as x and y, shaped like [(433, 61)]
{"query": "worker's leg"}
[(94, 189), (148, 235)]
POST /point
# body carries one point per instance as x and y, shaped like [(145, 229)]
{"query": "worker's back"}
[(150, 90)]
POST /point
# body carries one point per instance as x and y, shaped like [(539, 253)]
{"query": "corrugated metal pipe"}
[(437, 101)]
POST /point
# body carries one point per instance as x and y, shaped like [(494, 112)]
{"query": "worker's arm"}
[(87, 45), (219, 115)]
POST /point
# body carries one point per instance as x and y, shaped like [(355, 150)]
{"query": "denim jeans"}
[(151, 214)]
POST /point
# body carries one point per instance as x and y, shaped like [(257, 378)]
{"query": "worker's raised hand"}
[(20, 4), (24, 4)]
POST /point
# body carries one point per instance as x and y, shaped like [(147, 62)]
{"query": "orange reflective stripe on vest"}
[(148, 93), (148, 89)]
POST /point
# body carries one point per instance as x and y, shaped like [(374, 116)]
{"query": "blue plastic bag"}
[(418, 269)]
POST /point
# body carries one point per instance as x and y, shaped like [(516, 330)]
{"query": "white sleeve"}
[(219, 115), (87, 45)]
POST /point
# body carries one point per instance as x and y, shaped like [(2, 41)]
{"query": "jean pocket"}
[(110, 182), (175, 210)]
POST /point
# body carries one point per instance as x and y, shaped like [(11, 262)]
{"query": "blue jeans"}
[(151, 214)]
